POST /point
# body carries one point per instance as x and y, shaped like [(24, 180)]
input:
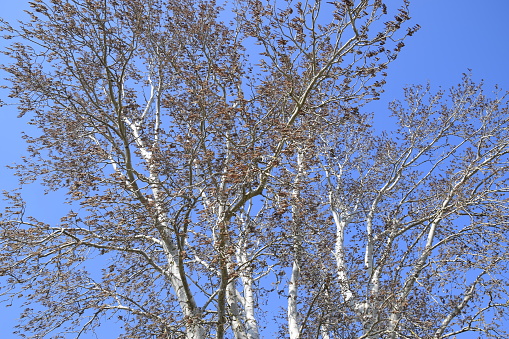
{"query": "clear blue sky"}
[(456, 35)]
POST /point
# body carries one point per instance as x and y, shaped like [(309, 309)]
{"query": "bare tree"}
[(420, 242), (212, 192)]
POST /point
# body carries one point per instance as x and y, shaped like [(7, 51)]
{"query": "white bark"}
[(171, 251), (251, 325), (339, 250), (235, 312), (293, 313), (293, 285), (341, 221), (324, 333), (249, 307)]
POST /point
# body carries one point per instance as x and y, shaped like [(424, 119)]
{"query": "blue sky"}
[(456, 35)]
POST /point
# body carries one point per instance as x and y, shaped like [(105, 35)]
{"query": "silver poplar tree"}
[(223, 182)]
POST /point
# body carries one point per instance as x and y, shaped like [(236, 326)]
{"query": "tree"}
[(211, 191)]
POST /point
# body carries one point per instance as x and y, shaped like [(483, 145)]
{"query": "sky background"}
[(455, 36)]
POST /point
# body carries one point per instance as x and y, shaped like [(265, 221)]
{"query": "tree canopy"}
[(223, 179)]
